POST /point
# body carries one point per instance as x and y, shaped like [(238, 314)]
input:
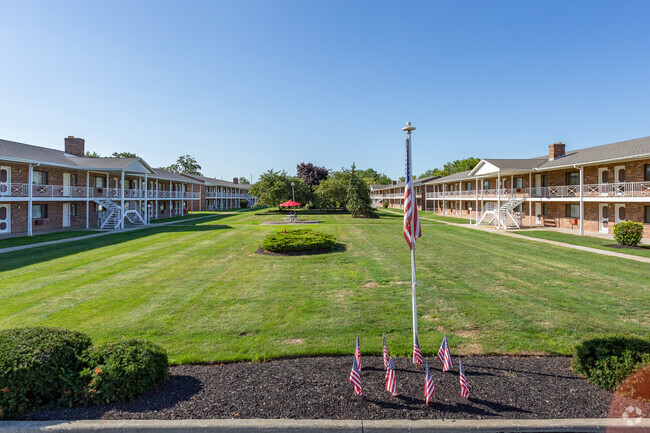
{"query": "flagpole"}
[(414, 282)]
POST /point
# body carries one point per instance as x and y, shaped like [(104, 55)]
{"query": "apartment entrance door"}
[(538, 214), (66, 185), (619, 180), (620, 213), (5, 218), (538, 186), (66, 214), (5, 180), (603, 217), (603, 179)]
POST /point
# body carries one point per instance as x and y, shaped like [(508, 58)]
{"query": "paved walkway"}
[(490, 229), (323, 425), (109, 232)]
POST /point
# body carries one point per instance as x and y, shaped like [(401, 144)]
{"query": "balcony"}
[(60, 191), (623, 189)]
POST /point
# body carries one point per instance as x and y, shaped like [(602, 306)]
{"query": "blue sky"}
[(247, 86)]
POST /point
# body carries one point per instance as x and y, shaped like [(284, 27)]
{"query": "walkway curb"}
[(321, 425)]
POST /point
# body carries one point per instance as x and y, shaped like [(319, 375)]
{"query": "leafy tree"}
[(452, 167), (274, 187), (92, 154), (332, 192), (185, 164), (346, 189), (372, 177), (124, 155), (244, 181), (311, 174), (358, 196)]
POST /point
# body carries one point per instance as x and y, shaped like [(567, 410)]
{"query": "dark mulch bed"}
[(502, 387), (265, 252), (629, 247)]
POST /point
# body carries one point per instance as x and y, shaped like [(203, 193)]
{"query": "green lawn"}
[(27, 240), (445, 218), (199, 289), (184, 217), (586, 241)]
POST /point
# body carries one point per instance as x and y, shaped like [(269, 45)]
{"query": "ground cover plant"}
[(198, 289), (298, 240), (586, 241)]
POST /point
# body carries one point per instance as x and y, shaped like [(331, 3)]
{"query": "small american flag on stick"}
[(464, 389), (428, 384), (385, 351), (355, 379), (417, 355), (357, 353), (444, 355), (391, 383)]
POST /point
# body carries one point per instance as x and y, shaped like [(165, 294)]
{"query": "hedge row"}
[(298, 240), (47, 367)]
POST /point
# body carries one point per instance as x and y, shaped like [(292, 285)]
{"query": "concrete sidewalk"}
[(321, 425), (105, 233), (490, 229)]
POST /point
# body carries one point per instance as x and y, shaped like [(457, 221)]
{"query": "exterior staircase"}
[(134, 218), (113, 219), (503, 216)]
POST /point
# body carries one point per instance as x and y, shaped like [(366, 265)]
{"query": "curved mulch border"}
[(265, 252), (502, 387)]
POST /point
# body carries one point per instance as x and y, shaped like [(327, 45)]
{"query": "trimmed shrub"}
[(39, 367), (121, 371), (298, 240), (243, 204), (608, 361), (385, 204), (628, 233)]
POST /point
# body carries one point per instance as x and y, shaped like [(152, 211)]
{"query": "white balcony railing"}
[(623, 189), (60, 191)]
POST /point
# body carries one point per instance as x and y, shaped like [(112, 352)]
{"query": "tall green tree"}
[(185, 164), (346, 189), (372, 177), (244, 181), (90, 154), (274, 187)]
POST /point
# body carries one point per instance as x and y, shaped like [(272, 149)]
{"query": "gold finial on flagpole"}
[(408, 127)]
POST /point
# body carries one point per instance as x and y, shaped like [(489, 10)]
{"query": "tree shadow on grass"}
[(30, 256), (175, 390)]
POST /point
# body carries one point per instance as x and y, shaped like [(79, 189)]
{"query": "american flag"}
[(429, 388), (464, 389), (417, 355), (391, 384), (357, 353), (411, 219), (355, 378), (385, 352), (444, 355)]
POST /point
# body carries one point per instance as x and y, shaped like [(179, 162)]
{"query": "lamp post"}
[(293, 191)]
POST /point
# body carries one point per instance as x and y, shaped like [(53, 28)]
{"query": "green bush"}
[(121, 371), (385, 204), (298, 240), (628, 233), (39, 367), (243, 204), (608, 361)]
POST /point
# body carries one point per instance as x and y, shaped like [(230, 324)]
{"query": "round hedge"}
[(123, 370), (298, 240), (39, 367), (628, 233), (608, 361)]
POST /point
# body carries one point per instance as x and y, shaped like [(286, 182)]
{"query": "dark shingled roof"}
[(461, 175), (517, 164), (606, 152), (27, 152), (219, 182), (160, 173)]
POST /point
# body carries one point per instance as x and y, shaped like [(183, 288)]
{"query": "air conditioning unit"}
[(39, 222)]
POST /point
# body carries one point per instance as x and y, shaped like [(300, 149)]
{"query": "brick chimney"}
[(556, 150), (75, 146), (235, 180)]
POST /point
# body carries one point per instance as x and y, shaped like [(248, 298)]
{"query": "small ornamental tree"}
[(628, 233)]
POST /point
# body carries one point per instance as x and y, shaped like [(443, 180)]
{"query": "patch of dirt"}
[(294, 341), (371, 285), (319, 387)]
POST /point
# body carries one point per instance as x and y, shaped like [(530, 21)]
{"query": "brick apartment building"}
[(587, 189), (393, 194), (45, 189), (217, 194)]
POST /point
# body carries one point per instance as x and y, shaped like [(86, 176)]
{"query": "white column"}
[(30, 180), (530, 202), (87, 199), (192, 199), (122, 194), (476, 209), (499, 198), (444, 201), (582, 201), (512, 183), (170, 198), (157, 198), (146, 196)]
